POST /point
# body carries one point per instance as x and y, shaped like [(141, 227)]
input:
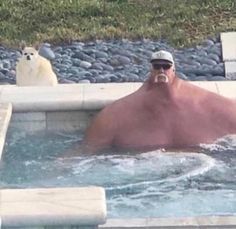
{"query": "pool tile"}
[(68, 121), (29, 126), (29, 121), (28, 116)]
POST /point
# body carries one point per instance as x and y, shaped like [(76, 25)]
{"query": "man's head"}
[(163, 69)]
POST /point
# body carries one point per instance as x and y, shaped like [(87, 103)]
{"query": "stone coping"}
[(229, 54), (185, 222), (66, 97), (5, 116), (53, 207), (228, 46)]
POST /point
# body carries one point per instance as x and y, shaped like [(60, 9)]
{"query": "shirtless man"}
[(165, 112)]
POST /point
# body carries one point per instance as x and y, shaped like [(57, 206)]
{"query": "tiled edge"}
[(68, 121), (188, 222), (5, 116), (53, 207), (28, 121), (52, 120)]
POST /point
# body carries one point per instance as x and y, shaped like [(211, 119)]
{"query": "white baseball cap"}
[(162, 55)]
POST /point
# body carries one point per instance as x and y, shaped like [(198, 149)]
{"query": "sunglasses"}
[(159, 66)]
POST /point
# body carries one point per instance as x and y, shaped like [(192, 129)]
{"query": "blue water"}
[(152, 184)]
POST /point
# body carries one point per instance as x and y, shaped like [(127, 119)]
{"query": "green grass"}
[(180, 22)]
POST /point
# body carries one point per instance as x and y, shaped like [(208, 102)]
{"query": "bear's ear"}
[(22, 45)]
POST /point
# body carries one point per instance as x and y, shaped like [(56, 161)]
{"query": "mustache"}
[(161, 78)]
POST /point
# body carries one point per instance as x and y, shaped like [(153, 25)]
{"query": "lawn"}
[(180, 22)]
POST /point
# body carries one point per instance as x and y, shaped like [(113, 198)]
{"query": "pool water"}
[(152, 184)]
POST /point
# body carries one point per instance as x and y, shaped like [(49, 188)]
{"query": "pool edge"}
[(172, 222), (66, 97), (5, 116), (84, 206)]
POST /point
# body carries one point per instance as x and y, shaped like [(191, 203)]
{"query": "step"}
[(58, 207)]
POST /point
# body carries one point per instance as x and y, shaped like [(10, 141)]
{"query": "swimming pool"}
[(71, 107), (152, 184)]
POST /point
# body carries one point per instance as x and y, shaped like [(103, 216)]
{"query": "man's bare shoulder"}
[(123, 103)]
